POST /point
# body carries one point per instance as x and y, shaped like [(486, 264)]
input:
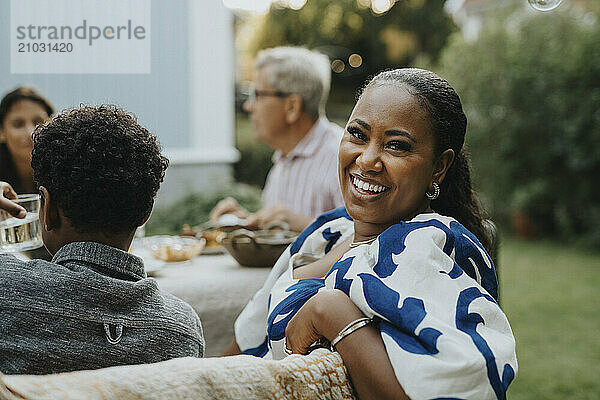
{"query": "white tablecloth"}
[(218, 288)]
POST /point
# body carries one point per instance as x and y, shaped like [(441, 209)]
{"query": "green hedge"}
[(194, 209), (255, 156), (530, 85)]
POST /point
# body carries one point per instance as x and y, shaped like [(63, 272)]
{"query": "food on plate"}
[(186, 230), (213, 238), (173, 248)]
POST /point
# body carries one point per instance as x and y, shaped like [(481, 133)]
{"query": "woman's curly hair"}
[(100, 166)]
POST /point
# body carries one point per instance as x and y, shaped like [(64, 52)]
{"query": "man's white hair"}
[(299, 71)]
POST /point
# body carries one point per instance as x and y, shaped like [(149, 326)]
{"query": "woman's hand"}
[(323, 316), (7, 193)]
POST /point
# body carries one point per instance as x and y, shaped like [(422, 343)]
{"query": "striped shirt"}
[(306, 179)]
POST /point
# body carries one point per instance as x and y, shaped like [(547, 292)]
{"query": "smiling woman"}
[(399, 282), (388, 160)]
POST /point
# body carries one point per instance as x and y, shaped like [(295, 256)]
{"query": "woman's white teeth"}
[(367, 186)]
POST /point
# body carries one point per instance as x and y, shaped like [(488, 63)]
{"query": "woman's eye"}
[(399, 145), (357, 133), (18, 123)]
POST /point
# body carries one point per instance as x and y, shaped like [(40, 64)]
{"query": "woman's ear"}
[(48, 211), (293, 108), (442, 165)]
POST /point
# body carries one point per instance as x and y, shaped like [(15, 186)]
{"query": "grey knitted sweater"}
[(91, 307)]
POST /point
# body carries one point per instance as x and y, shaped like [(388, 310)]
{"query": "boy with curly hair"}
[(92, 306)]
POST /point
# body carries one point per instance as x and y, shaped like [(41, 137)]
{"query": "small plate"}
[(209, 251)]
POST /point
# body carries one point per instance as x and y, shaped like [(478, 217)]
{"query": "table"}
[(218, 288)]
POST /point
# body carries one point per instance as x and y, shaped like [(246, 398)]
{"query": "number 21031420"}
[(44, 47)]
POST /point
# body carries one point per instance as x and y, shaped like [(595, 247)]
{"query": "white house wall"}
[(187, 99)]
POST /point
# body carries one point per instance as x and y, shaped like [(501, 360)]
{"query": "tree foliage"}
[(342, 27), (531, 89)]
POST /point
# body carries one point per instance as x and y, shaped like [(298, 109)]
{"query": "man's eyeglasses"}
[(253, 94)]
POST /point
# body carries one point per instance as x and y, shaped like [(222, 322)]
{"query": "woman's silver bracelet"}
[(351, 327)]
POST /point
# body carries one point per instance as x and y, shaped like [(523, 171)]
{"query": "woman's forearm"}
[(363, 350), (369, 366)]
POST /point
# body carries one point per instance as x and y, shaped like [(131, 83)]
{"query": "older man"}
[(286, 105)]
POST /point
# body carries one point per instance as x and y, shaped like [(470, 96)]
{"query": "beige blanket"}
[(320, 375)]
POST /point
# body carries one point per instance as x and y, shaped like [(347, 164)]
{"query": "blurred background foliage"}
[(530, 84), (341, 28), (345, 27)]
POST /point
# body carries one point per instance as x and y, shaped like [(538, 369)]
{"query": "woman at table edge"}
[(21, 110), (401, 156)]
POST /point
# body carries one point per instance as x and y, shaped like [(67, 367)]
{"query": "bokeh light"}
[(544, 5), (381, 6), (355, 60), (337, 66), (296, 4)]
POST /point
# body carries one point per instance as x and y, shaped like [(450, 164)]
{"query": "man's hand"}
[(228, 205), (7, 193), (278, 213)]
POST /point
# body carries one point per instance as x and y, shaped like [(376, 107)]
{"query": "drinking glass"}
[(19, 234)]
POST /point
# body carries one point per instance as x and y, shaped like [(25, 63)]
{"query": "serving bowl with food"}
[(257, 248)]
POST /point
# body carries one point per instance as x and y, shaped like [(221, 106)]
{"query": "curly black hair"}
[(101, 167)]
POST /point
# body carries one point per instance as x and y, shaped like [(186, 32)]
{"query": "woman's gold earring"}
[(436, 192)]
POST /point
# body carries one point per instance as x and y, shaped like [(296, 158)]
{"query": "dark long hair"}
[(23, 93), (449, 125)]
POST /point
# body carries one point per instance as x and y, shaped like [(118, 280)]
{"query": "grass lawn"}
[(551, 294)]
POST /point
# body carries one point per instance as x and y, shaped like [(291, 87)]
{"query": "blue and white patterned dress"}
[(428, 283)]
